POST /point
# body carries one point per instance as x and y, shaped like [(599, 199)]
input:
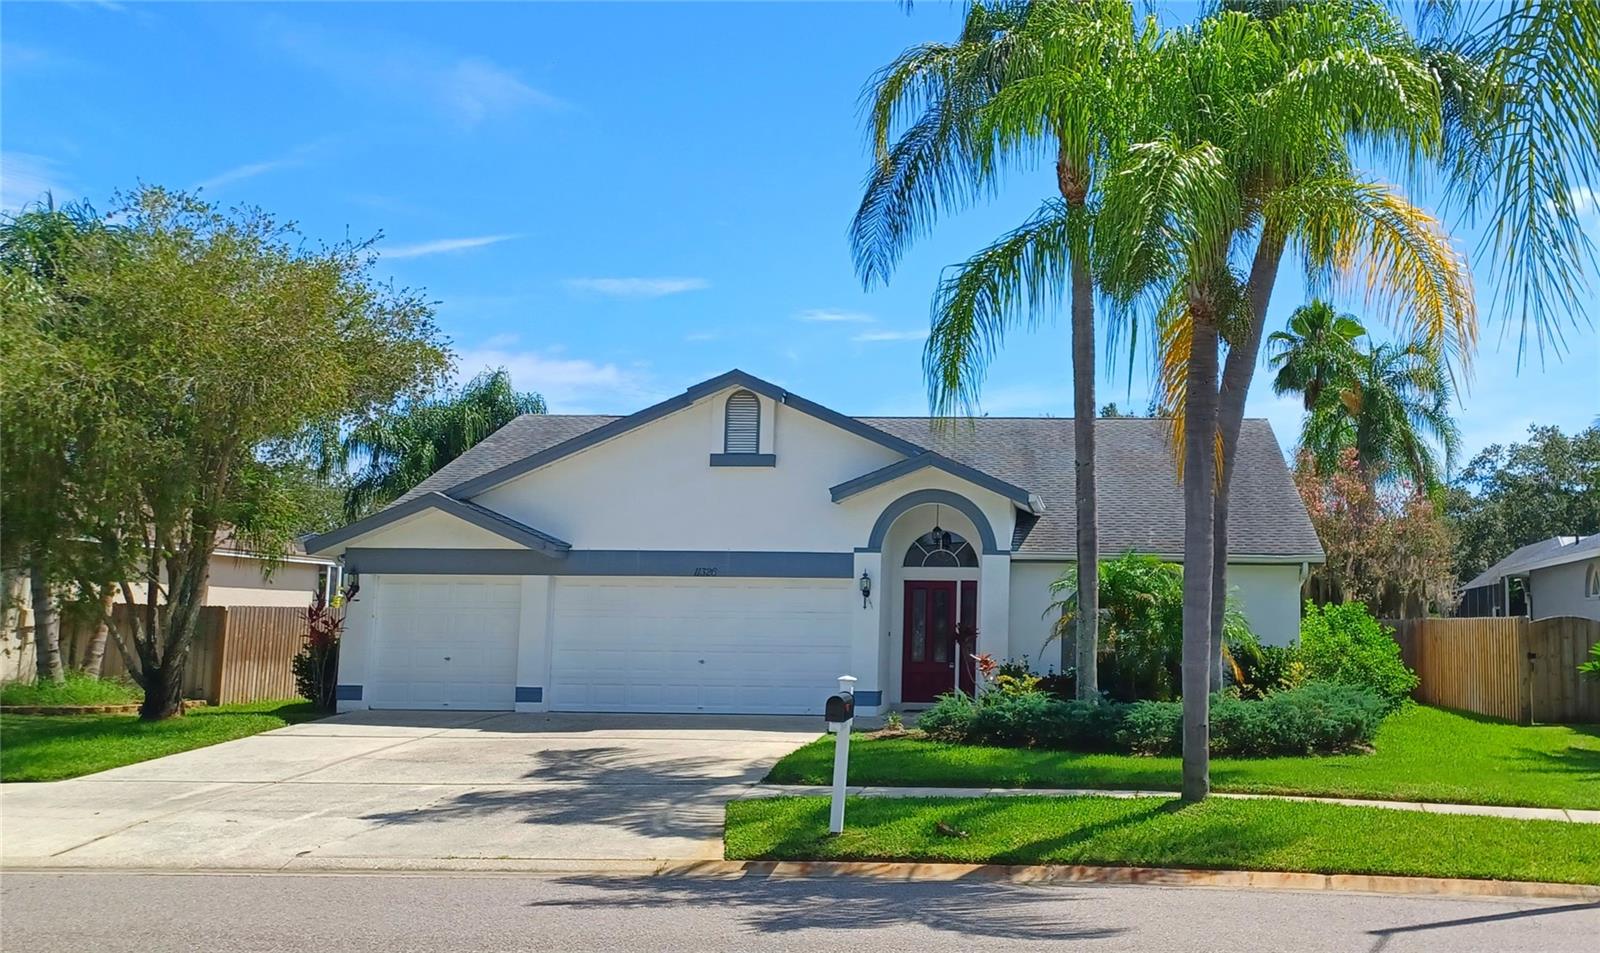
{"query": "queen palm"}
[(1250, 158), (398, 450), (1317, 349), (1051, 77), (1391, 405)]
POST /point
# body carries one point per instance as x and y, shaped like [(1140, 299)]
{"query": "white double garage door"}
[(614, 644)]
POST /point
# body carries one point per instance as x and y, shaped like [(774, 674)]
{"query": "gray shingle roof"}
[(1141, 503), (1560, 549)]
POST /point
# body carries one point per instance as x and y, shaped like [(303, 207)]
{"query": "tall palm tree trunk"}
[(1236, 376), (1199, 491), (94, 653), (1083, 443)]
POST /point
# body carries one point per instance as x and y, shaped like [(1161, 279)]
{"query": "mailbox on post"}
[(840, 710), (841, 707)]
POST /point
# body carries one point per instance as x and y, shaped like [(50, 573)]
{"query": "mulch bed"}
[(132, 709)]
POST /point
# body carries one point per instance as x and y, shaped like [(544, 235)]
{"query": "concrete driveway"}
[(400, 789)]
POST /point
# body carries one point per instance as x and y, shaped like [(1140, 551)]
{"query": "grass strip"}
[(1219, 834)]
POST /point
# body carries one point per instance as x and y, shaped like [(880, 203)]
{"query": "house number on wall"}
[(705, 570)]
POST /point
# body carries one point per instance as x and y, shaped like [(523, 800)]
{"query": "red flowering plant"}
[(316, 667)]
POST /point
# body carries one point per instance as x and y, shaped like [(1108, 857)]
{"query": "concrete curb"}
[(897, 872)]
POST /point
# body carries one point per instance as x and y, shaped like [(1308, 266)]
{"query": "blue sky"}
[(613, 201)]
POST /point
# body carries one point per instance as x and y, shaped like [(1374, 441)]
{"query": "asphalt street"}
[(91, 911)]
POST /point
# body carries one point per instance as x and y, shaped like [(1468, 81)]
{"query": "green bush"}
[(1317, 718), (78, 689), (1272, 668), (1342, 642)]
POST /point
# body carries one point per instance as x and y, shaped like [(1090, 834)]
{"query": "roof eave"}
[(929, 458), (503, 526)]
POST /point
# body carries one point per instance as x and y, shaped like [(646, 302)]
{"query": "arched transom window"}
[(741, 429), (940, 548)]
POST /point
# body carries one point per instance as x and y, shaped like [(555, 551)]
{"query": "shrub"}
[(316, 666), (1342, 642), (1272, 668), (1317, 718), (78, 689)]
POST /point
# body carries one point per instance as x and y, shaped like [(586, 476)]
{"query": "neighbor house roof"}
[(1555, 551), (1141, 502)]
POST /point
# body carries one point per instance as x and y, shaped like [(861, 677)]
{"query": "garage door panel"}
[(691, 645), (447, 643)]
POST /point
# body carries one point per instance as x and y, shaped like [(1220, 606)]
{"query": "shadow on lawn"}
[(787, 906)]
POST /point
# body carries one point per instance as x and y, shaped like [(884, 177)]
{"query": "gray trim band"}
[(892, 512), (900, 468), (602, 562), (869, 698), (622, 425), (530, 694), (744, 459), (500, 525), (347, 693)]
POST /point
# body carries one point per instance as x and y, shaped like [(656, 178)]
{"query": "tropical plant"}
[(394, 452), (1141, 625), (1390, 406), (316, 665), (1317, 349), (1049, 78), (1591, 668)]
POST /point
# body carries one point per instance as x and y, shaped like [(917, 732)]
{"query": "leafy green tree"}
[(1050, 78), (1317, 349), (233, 344), (55, 425), (1510, 496), (397, 450), (1391, 407)]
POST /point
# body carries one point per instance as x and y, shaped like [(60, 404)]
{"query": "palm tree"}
[(401, 449), (1390, 406), (1051, 77), (1252, 157), (1317, 349)]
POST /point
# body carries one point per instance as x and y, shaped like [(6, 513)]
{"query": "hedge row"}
[(1316, 718)]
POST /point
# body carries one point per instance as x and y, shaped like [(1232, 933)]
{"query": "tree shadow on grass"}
[(983, 908)]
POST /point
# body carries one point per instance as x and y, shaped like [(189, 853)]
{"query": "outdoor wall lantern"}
[(865, 582)]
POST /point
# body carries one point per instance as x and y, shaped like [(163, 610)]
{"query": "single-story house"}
[(1559, 576), (737, 547)]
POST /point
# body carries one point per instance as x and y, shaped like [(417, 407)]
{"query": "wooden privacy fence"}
[(1511, 668), (240, 653)]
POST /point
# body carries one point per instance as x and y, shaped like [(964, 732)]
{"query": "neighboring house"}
[(738, 547), (1559, 576)]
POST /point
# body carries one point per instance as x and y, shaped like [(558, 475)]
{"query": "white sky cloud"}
[(569, 385), (444, 245), (883, 336), (26, 177), (834, 315), (474, 88), (637, 287), (698, 336)]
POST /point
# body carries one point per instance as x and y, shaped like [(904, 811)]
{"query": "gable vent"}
[(741, 429)]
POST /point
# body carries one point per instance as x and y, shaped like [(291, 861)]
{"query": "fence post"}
[(1524, 670), (219, 658)]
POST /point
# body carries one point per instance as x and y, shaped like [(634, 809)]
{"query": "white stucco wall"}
[(237, 581), (1558, 591), (432, 529), (1030, 597)]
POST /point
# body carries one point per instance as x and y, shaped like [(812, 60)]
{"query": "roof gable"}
[(617, 426), (498, 524)]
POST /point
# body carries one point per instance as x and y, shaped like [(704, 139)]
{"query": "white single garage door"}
[(447, 642), (746, 646)]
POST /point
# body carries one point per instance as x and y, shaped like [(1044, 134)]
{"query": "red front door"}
[(930, 652)]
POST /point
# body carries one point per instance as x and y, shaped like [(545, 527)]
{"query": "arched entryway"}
[(931, 544)]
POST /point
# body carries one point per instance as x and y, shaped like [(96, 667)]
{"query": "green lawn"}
[(1220, 833), (1423, 754), (75, 689), (51, 747)]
